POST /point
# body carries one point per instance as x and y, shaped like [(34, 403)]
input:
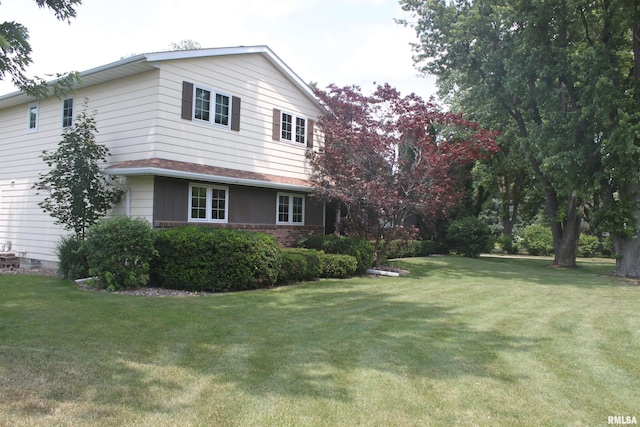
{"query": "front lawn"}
[(492, 341)]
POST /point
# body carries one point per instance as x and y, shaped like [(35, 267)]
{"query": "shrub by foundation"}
[(299, 264), (119, 252), (360, 249), (215, 259), (336, 266)]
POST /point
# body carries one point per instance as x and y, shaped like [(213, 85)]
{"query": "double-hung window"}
[(67, 113), (208, 203), (293, 128), (32, 118), (290, 209), (211, 107)]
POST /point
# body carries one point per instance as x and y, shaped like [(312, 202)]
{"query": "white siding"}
[(139, 117), (261, 88), (141, 188), (125, 119)]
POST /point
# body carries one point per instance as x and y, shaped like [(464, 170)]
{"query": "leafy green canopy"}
[(15, 52), (559, 76)]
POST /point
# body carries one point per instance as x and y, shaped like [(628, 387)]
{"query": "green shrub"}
[(215, 259), (509, 244), (360, 249), (410, 248), (588, 246), (72, 259), (337, 266), (299, 265), (119, 252), (469, 237), (537, 240), (607, 246)]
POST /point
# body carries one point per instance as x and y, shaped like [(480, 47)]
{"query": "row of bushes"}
[(128, 253), (538, 240)]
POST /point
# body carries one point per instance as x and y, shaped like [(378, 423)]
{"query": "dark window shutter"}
[(235, 113), (187, 100), (276, 124), (310, 124)]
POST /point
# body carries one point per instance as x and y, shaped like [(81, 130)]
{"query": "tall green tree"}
[(77, 194), (15, 53), (547, 69)]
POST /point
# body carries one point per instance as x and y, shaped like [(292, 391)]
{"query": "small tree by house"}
[(77, 194), (387, 157)]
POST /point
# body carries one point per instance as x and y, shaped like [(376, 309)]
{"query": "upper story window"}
[(292, 128), (67, 113), (208, 203), (211, 107), (290, 209), (32, 118)]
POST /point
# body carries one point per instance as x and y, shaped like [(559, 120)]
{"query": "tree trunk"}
[(566, 233), (627, 249), (627, 256)]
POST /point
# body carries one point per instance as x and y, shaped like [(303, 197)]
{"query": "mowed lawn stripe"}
[(491, 341)]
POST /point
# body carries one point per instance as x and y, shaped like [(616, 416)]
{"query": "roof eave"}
[(148, 61), (205, 177)]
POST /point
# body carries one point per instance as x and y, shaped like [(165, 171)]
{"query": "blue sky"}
[(327, 41)]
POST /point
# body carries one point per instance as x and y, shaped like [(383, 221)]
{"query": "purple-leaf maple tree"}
[(388, 157)]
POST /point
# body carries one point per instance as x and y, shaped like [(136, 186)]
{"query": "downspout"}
[(127, 193)]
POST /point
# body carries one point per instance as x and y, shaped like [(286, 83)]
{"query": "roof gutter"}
[(210, 178)]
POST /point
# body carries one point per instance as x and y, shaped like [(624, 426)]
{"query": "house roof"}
[(197, 172), (148, 61)]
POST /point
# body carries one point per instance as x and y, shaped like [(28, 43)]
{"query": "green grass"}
[(493, 341)]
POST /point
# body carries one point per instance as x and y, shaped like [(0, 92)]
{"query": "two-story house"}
[(212, 136)]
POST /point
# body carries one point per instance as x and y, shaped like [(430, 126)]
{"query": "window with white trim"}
[(208, 203), (32, 119), (67, 113), (293, 128), (290, 209), (211, 107)]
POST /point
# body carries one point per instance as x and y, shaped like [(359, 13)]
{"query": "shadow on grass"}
[(511, 269), (325, 343)]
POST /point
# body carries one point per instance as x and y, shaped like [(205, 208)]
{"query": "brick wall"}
[(286, 235)]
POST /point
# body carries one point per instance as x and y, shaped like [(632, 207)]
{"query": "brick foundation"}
[(286, 235)]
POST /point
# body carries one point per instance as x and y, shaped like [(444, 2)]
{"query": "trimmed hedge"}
[(215, 259), (119, 251), (410, 248), (337, 266), (299, 265), (361, 250)]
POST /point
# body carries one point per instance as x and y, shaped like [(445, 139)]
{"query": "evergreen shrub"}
[(361, 250), (537, 240), (119, 252), (299, 265), (469, 237), (337, 266), (588, 246), (72, 259), (215, 259), (410, 248)]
